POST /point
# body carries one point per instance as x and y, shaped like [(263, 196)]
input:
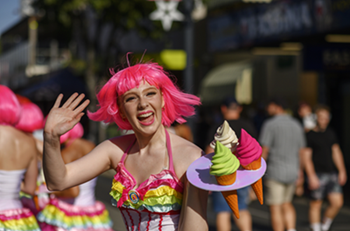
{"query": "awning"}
[(64, 81), (231, 79)]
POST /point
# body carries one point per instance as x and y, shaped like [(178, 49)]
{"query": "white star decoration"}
[(167, 12)]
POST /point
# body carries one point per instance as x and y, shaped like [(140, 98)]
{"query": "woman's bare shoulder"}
[(184, 152), (115, 147)]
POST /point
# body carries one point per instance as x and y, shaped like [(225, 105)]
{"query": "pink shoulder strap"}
[(127, 151), (168, 145)]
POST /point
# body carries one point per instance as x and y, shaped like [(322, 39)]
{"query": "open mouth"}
[(146, 118)]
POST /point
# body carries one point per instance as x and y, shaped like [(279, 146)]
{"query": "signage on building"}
[(275, 21), (333, 57)]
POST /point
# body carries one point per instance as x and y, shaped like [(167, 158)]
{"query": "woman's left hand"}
[(61, 119)]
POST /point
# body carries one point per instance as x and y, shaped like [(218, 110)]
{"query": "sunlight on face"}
[(142, 106)]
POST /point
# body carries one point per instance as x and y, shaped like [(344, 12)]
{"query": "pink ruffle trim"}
[(71, 210), (154, 181), (15, 214)]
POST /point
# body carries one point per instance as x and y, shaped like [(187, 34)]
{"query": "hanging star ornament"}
[(167, 13)]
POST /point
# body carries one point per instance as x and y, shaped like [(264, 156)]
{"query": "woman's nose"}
[(143, 103)]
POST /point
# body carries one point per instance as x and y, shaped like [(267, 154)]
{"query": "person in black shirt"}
[(231, 111), (325, 169)]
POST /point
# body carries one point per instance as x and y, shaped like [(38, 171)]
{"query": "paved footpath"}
[(260, 213)]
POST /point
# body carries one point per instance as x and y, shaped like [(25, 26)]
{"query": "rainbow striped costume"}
[(76, 214), (155, 204), (13, 217)]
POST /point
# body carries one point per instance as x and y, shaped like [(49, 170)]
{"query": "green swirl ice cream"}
[(224, 162)]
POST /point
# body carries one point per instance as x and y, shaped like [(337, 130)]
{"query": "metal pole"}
[(188, 46), (188, 34)]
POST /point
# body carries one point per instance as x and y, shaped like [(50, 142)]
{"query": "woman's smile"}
[(146, 118), (143, 107)]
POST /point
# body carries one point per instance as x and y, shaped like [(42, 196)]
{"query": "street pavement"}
[(260, 213)]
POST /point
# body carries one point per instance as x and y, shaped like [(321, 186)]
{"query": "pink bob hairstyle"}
[(10, 109), (31, 118), (76, 132), (176, 103)]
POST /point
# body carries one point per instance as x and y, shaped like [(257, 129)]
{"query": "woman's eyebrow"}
[(150, 88)]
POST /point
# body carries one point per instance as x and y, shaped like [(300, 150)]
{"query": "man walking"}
[(282, 138), (325, 170)]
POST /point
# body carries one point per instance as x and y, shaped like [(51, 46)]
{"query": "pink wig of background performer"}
[(31, 118), (76, 132), (10, 109), (177, 104)]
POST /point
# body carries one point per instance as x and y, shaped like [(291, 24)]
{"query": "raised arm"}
[(59, 121), (338, 160)]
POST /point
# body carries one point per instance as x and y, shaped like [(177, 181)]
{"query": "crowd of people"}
[(302, 154), (47, 181), (25, 201)]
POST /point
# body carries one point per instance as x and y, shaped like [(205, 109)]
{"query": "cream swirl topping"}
[(226, 136), (224, 162)]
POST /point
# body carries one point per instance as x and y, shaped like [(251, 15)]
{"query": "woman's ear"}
[(163, 103)]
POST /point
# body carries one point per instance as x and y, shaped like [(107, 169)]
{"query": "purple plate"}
[(198, 174)]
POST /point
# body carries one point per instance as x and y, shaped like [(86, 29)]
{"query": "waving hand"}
[(61, 119)]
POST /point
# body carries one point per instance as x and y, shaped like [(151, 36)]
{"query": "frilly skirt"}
[(59, 215), (18, 220)]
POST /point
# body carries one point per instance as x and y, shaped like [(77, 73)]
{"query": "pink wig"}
[(76, 132), (31, 118), (177, 104), (10, 109)]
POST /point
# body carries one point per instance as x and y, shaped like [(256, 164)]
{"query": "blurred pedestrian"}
[(325, 170), (182, 130), (308, 118), (282, 138), (75, 208), (18, 166), (231, 111)]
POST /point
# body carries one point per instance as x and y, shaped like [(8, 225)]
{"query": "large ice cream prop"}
[(224, 167), (249, 154), (226, 136)]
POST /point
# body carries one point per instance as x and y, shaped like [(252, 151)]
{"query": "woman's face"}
[(142, 107)]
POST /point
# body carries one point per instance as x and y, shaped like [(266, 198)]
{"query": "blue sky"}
[(9, 13)]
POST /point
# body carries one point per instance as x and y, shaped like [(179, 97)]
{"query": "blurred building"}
[(297, 49)]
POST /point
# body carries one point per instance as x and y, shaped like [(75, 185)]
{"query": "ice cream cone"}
[(257, 186), (226, 179), (224, 169), (232, 201), (230, 196), (226, 136)]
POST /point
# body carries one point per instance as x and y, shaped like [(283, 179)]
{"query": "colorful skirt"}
[(18, 220), (59, 215)]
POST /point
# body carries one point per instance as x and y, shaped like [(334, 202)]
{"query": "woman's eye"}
[(129, 99), (151, 93)]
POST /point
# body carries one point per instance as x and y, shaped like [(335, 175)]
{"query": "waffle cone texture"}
[(230, 196), (257, 186)]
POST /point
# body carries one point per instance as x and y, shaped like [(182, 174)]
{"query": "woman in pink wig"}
[(75, 208), (150, 186), (18, 165), (30, 121)]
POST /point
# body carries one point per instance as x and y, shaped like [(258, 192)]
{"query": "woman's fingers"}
[(70, 100), (76, 102), (81, 107), (58, 101)]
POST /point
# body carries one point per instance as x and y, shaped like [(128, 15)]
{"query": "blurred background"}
[(253, 50)]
